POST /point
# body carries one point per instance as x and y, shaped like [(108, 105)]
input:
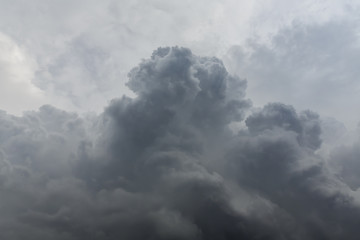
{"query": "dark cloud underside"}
[(167, 165)]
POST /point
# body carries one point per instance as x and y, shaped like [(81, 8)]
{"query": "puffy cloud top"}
[(166, 165)]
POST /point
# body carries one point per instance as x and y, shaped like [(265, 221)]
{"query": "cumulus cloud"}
[(166, 164), (308, 65)]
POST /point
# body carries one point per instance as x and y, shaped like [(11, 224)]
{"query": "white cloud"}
[(17, 69), (307, 65), (84, 49)]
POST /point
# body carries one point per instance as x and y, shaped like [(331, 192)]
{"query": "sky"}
[(76, 54), (179, 120)]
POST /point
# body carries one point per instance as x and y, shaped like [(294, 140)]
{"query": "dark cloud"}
[(167, 165), (276, 115), (276, 162)]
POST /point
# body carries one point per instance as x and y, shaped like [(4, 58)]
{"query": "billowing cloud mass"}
[(169, 164)]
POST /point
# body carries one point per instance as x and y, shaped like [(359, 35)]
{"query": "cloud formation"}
[(83, 49), (308, 65), (17, 70), (166, 164)]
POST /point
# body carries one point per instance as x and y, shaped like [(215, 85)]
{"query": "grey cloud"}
[(273, 162), (345, 162), (83, 50), (166, 165), (306, 126), (306, 65)]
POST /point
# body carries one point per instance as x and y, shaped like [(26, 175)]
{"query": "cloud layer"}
[(168, 164), (306, 65), (79, 52)]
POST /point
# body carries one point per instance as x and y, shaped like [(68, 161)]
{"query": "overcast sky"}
[(76, 54), (184, 120)]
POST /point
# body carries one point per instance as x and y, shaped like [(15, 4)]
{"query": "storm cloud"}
[(168, 164)]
